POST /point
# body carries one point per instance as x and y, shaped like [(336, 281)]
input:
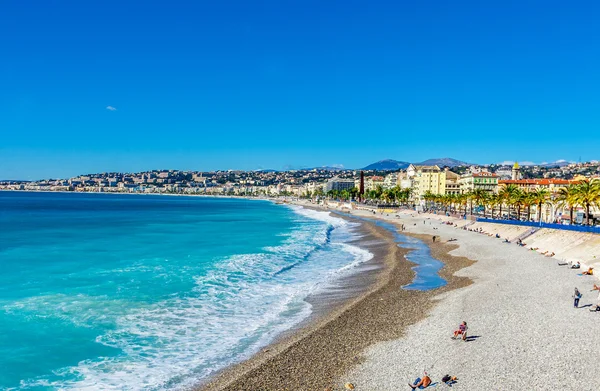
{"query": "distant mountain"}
[(387, 165), (328, 168), (444, 161), (559, 163)]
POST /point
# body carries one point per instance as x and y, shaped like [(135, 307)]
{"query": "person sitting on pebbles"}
[(462, 330), (589, 272), (421, 383)]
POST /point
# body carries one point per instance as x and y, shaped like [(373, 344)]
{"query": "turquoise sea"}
[(142, 292)]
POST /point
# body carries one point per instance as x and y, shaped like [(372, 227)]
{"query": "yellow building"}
[(431, 179), (452, 182)]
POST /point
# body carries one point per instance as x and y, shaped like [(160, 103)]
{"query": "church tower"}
[(516, 172)]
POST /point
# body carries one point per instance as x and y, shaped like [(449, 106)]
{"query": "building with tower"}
[(516, 172)]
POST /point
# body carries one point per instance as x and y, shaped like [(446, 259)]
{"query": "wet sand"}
[(367, 308)]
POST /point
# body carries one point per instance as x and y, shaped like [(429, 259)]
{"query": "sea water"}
[(148, 292), (426, 267)]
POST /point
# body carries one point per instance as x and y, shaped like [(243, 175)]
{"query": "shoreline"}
[(317, 353)]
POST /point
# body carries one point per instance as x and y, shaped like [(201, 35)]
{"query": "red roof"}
[(537, 182)]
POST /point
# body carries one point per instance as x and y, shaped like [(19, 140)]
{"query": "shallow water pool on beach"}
[(426, 269)]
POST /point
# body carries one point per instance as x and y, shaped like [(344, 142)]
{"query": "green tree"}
[(567, 198), (479, 196), (588, 195), (539, 197), (507, 194)]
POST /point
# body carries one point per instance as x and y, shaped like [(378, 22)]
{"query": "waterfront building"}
[(426, 179), (552, 185), (479, 181), (452, 182), (391, 180), (372, 182), (339, 184)]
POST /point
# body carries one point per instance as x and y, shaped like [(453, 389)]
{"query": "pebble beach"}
[(525, 332), (523, 329)]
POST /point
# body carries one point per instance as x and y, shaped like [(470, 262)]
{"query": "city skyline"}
[(90, 87), (286, 168)]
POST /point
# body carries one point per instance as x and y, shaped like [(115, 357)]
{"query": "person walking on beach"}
[(576, 296)]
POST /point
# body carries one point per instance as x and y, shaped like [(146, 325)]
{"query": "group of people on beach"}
[(577, 295), (425, 381)]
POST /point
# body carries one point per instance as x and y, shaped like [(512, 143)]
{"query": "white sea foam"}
[(234, 310)]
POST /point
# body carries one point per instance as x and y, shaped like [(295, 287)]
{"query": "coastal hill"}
[(444, 161), (387, 165), (390, 164)]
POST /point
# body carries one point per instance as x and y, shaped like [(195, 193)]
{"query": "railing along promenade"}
[(578, 228)]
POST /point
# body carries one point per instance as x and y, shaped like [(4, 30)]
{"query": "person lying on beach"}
[(462, 330), (533, 248), (498, 236), (550, 254), (452, 240), (589, 272), (421, 383), (449, 380), (576, 266), (506, 240)]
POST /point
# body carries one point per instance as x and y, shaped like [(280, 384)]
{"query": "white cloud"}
[(507, 163), (110, 108)]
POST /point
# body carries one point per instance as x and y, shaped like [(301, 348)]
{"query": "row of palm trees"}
[(584, 194), (395, 195), (514, 200)]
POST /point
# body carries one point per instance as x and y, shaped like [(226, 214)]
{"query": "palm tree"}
[(588, 194), (478, 195), (388, 195), (517, 199), (428, 196), (539, 197), (493, 200), (462, 200), (527, 201), (507, 194), (567, 197)]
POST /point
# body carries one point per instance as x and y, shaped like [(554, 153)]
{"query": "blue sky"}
[(267, 84)]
